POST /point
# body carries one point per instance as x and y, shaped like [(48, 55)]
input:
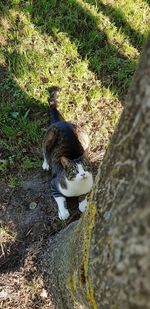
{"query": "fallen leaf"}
[(19, 133), (26, 114), (43, 294), (15, 115)]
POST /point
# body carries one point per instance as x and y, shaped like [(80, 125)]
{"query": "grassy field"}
[(89, 48)]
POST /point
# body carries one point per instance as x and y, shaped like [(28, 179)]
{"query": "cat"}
[(64, 151)]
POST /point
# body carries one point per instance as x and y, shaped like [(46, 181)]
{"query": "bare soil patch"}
[(24, 230)]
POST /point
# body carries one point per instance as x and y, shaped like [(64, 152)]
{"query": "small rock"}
[(32, 205)]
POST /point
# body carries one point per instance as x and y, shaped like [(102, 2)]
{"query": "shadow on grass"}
[(21, 136), (110, 65), (117, 17), (30, 227)]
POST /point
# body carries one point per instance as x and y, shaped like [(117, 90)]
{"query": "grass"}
[(89, 48)]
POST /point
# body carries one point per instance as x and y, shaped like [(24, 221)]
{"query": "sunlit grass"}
[(89, 48)]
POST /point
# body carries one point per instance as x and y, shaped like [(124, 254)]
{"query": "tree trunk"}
[(103, 260)]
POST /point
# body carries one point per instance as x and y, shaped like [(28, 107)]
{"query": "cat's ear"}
[(64, 161)]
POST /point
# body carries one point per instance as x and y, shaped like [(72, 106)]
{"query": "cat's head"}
[(77, 169)]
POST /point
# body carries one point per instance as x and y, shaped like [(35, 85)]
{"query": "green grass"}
[(89, 48)]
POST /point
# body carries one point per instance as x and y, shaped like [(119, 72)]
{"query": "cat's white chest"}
[(77, 187)]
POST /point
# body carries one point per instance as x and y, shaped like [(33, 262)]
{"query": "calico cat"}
[(64, 150)]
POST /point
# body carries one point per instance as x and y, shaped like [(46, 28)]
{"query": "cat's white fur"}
[(82, 205), (45, 165), (63, 212), (81, 184)]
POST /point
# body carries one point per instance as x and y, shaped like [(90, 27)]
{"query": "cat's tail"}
[(53, 113)]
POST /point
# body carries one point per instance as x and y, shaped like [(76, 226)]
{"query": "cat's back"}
[(66, 130), (69, 140), (64, 125)]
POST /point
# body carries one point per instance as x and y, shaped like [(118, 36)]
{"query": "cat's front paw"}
[(45, 166), (82, 205), (63, 215)]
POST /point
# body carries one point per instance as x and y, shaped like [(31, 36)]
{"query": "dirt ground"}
[(28, 218)]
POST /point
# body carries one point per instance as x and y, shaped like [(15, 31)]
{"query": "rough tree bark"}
[(103, 260)]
